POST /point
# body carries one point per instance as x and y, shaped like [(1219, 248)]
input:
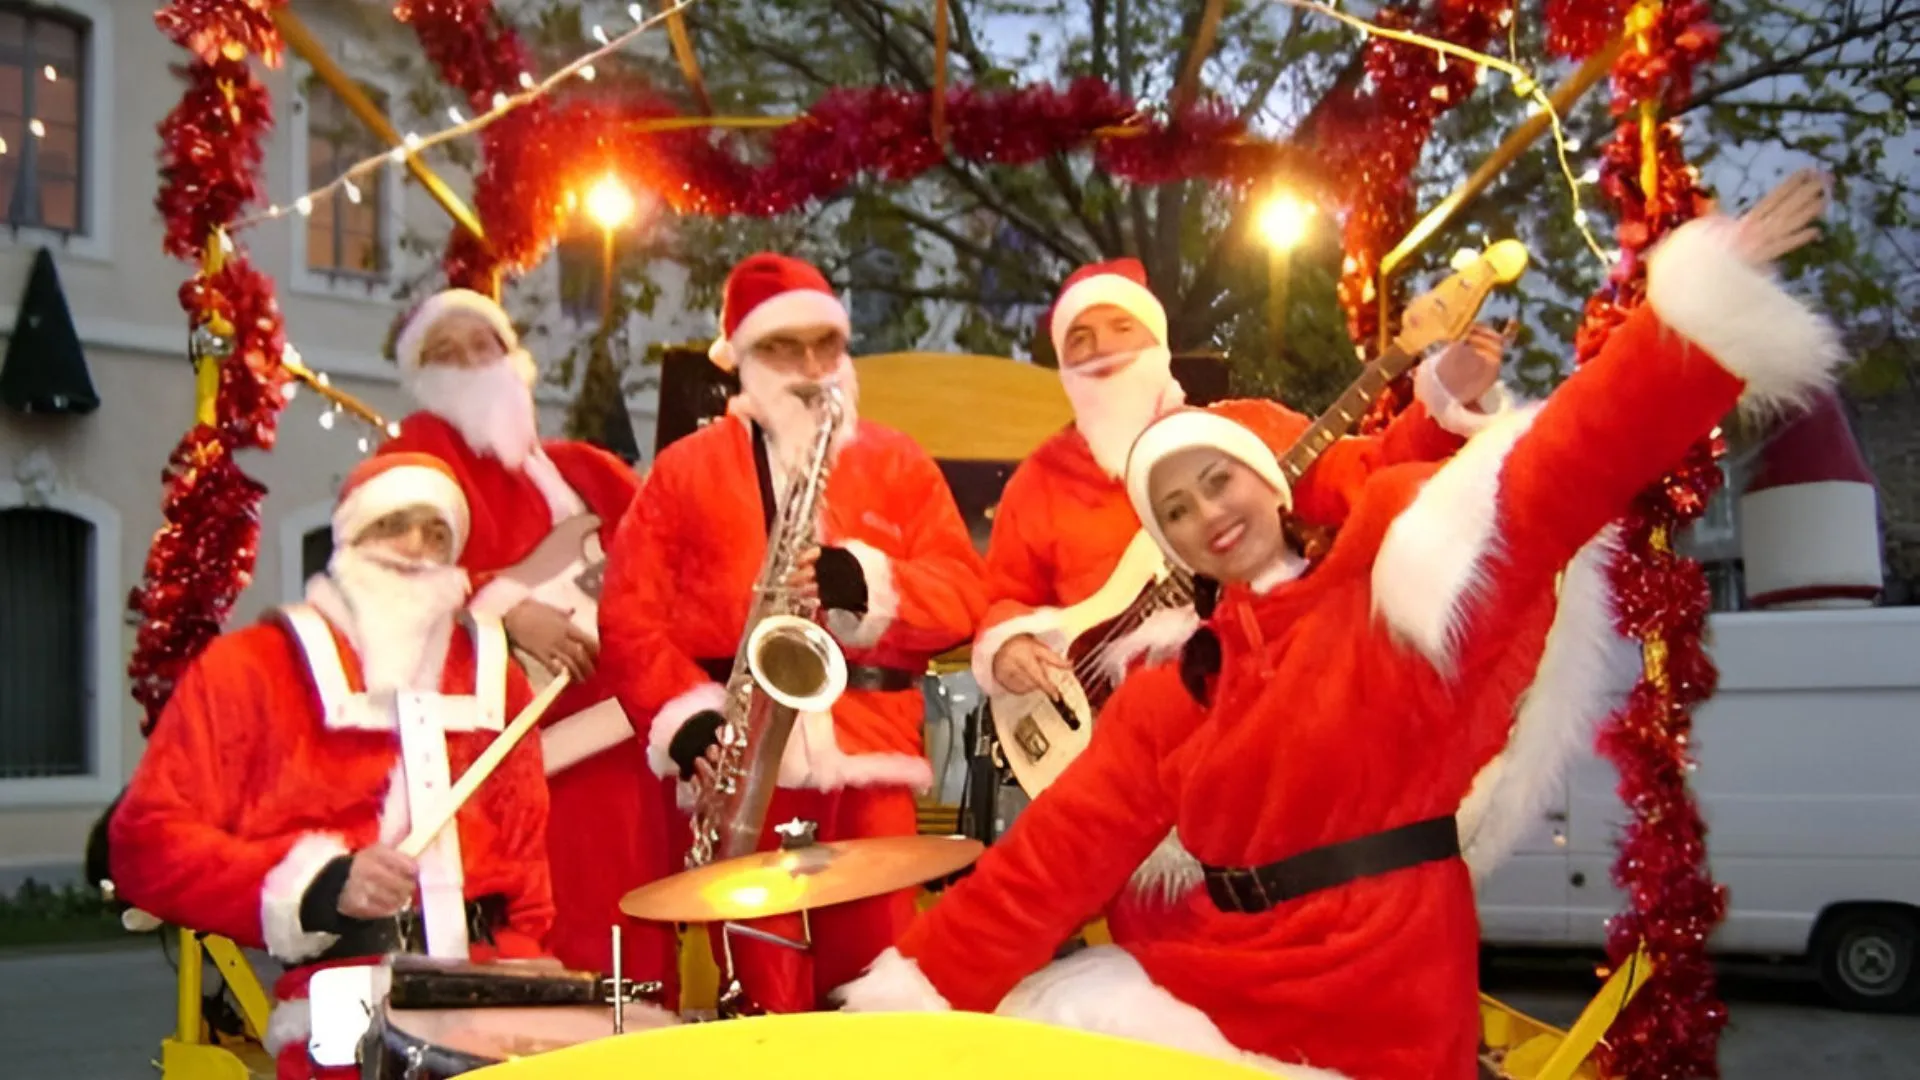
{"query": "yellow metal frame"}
[(192, 1053)]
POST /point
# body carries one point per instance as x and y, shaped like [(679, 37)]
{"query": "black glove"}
[(320, 904), (843, 585), (699, 734)]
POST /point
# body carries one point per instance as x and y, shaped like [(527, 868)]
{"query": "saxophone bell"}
[(796, 663)]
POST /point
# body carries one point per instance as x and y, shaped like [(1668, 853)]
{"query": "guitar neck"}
[(1346, 412)]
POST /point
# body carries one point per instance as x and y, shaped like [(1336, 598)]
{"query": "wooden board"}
[(962, 407)]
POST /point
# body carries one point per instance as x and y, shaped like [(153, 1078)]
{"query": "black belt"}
[(885, 680), (406, 933), (1250, 891)]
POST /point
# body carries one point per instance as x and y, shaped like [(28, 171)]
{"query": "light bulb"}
[(353, 191), (326, 420)]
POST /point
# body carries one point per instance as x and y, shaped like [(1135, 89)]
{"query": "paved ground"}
[(99, 1015)]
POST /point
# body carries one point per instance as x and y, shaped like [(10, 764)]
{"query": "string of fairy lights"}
[(349, 182)]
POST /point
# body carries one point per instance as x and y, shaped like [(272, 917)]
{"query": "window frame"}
[(294, 528), (92, 240), (106, 658), (335, 284)]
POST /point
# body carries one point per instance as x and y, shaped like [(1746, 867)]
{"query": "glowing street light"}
[(609, 203), (1284, 220)]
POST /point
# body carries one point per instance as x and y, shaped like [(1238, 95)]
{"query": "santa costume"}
[(330, 726), (1352, 709), (899, 583), (1064, 521), (608, 829)]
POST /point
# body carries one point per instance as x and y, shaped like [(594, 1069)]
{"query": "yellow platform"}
[(866, 1046)]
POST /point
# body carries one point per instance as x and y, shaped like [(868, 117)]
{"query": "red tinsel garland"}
[(202, 557), (1671, 1030)]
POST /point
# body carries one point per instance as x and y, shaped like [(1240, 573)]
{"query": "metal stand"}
[(985, 774)]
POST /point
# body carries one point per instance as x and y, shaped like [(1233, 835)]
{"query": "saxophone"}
[(787, 664)]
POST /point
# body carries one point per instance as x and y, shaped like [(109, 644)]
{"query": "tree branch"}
[(1781, 65), (1076, 199), (1258, 99)]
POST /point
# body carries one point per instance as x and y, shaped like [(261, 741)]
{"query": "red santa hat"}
[(386, 483), (421, 321), (1186, 429), (1119, 282), (768, 293)]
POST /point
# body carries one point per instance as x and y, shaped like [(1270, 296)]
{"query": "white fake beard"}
[(491, 406), (1112, 410), (399, 622), (767, 398)]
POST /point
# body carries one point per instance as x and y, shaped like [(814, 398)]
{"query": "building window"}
[(43, 83), (346, 235), (874, 314), (46, 636), (581, 260), (316, 551)]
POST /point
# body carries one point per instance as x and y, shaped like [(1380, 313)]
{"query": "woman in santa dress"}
[(1354, 700)]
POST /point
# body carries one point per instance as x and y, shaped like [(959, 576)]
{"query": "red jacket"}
[(248, 788), (683, 566)]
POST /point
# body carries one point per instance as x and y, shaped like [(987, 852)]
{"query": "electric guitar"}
[(1041, 733), (565, 572)]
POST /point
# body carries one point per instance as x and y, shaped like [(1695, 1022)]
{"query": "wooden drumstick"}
[(423, 832)]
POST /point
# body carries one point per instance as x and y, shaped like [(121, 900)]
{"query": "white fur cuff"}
[(813, 760), (498, 597), (285, 886), (893, 983), (1168, 874), (1043, 623), (883, 600), (1160, 636), (1740, 315), (706, 697), (1452, 414)]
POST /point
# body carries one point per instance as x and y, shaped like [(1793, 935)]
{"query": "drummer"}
[(274, 791)]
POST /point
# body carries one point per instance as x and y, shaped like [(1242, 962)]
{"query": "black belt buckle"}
[(1237, 890)]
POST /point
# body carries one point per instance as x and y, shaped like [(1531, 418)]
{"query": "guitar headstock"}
[(1447, 311)]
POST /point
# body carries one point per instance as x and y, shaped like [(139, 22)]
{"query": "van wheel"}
[(1866, 959)]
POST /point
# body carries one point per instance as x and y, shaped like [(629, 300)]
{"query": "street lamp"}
[(1283, 220), (610, 205)]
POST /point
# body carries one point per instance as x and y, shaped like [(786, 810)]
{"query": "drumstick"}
[(423, 832)]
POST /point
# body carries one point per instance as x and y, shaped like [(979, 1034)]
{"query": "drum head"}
[(492, 1035)]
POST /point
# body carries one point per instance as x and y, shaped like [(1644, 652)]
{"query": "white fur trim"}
[(883, 600), (813, 759), (562, 501), (1168, 874), (1586, 671), (1104, 990), (1450, 412), (892, 983), (1434, 552), (498, 597), (598, 727), (1124, 293), (708, 696), (1741, 316), (398, 488), (290, 1023), (1184, 430), (784, 311), (1160, 636), (412, 339), (1043, 623), (285, 886)]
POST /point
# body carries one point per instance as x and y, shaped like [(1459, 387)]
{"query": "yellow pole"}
[(187, 1017)]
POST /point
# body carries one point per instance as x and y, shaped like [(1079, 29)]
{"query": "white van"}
[(1809, 778)]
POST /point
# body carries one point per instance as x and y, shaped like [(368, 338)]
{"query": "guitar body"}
[(1040, 733), (564, 572)]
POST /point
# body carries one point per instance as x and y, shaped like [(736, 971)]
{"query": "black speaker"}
[(1203, 375), (693, 392)]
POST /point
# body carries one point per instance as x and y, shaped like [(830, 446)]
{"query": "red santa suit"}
[(272, 762), (608, 830), (1360, 698), (1064, 521), (680, 580)]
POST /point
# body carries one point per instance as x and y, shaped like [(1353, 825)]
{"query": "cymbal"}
[(814, 876), (870, 1046)]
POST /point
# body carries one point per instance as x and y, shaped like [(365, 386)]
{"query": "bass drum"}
[(430, 1044)]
